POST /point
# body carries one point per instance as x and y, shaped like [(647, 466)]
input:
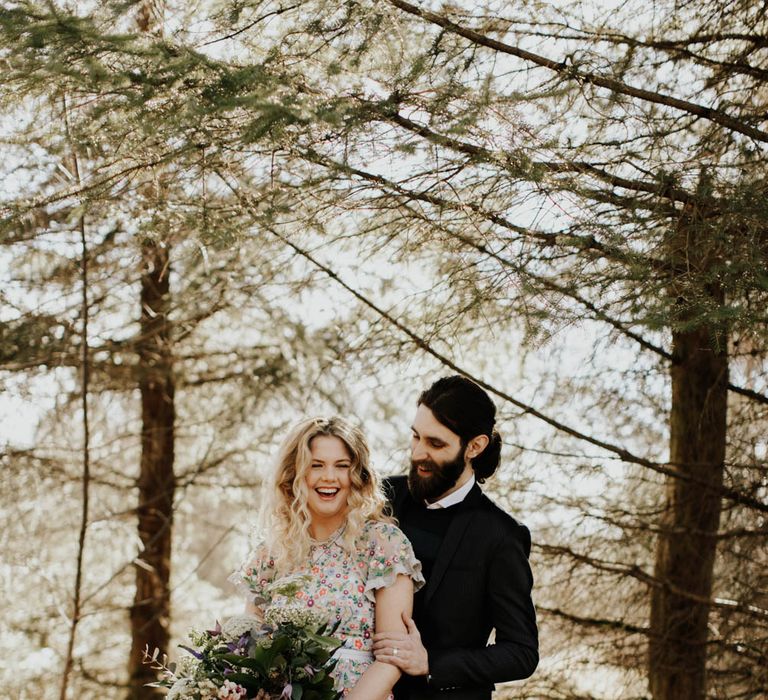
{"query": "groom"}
[(474, 556)]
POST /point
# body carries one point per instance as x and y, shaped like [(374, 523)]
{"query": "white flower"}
[(190, 689), (298, 615), (186, 667), (237, 625), (207, 689), (182, 689)]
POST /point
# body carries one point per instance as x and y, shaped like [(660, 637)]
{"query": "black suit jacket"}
[(481, 581)]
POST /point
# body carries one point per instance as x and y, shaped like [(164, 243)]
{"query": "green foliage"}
[(32, 340), (266, 658)]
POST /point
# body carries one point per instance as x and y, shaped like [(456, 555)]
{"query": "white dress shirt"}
[(453, 498)]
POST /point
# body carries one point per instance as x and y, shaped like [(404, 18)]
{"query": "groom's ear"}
[(476, 445)]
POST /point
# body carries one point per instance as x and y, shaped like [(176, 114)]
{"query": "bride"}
[(324, 520)]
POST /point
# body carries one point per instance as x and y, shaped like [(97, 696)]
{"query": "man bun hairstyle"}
[(466, 409)]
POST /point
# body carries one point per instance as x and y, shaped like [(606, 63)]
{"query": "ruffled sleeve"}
[(389, 553), (254, 575)]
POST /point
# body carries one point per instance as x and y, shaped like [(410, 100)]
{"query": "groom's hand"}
[(402, 650)]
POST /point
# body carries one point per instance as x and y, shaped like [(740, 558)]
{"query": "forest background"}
[(220, 216)]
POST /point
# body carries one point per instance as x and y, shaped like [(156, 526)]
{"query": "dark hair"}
[(465, 408)]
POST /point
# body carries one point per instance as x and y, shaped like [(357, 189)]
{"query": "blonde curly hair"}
[(285, 518)]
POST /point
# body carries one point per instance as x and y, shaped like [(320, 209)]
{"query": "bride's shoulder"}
[(255, 571), (388, 554), (378, 530)]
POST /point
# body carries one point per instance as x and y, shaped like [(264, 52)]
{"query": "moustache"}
[(424, 464)]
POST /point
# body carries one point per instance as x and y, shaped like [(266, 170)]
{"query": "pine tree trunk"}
[(150, 612), (686, 548)]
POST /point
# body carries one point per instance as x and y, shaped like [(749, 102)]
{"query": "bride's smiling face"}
[(328, 483)]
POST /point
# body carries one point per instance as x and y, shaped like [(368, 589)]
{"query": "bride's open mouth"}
[(327, 494)]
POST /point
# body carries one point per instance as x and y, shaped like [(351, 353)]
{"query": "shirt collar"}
[(453, 498)]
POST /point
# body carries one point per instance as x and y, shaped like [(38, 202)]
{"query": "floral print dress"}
[(341, 585)]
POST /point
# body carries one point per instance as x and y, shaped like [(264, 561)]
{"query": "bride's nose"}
[(328, 474)]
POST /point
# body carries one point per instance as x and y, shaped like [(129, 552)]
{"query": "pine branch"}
[(597, 622), (749, 393), (627, 628), (660, 189), (680, 48), (637, 572), (573, 73), (237, 32), (546, 238), (559, 239), (668, 469), (675, 48)]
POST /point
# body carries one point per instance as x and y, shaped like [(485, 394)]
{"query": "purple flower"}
[(194, 653), (216, 631), (239, 647), (287, 692)]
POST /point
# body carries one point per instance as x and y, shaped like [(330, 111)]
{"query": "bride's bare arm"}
[(391, 603)]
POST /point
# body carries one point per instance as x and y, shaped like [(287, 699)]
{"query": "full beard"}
[(442, 479)]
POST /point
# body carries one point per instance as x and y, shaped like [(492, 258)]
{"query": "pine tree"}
[(536, 170)]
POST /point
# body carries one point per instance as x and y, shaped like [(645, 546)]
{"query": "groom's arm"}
[(514, 654)]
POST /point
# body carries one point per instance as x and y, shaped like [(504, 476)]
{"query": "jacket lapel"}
[(456, 531)]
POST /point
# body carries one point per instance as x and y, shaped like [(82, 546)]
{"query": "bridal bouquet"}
[(285, 657)]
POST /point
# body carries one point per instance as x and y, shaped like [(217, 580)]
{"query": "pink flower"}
[(231, 691), (287, 692)]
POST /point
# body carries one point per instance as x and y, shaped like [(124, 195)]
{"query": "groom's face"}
[(437, 457)]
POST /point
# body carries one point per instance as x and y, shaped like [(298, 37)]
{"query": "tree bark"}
[(686, 548), (150, 613)]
